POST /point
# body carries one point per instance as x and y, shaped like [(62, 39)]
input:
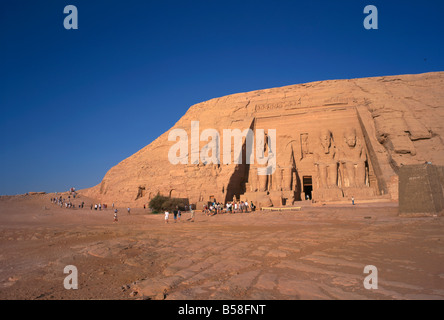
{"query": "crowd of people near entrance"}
[(230, 207), (212, 209)]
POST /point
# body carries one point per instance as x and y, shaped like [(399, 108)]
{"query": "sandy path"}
[(316, 253)]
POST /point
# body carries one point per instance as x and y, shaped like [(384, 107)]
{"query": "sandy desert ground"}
[(317, 253)]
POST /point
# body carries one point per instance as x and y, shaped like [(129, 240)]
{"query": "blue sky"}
[(74, 103)]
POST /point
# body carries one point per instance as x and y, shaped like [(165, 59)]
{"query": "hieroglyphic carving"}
[(277, 105)]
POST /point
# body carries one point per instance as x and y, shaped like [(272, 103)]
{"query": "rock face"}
[(334, 140), (421, 189)]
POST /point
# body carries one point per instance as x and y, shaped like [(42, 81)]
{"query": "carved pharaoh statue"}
[(288, 168), (326, 162), (277, 179), (353, 159), (252, 179), (263, 178)]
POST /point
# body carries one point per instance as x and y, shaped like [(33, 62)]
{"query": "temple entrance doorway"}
[(307, 187)]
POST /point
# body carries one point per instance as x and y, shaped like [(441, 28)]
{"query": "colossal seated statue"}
[(353, 158), (326, 162)]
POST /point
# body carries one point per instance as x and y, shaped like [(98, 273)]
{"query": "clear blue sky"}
[(74, 103)]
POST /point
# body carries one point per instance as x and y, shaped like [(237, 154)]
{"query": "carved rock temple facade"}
[(316, 158), (335, 140)]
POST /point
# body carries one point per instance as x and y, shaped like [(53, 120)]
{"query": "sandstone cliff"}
[(397, 120)]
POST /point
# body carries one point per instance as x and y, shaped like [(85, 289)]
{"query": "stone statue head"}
[(326, 139), (350, 137)]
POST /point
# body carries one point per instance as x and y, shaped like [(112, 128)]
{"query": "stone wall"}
[(421, 189)]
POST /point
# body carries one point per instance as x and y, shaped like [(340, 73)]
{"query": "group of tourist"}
[(99, 206), (230, 207), (210, 210), (65, 203), (115, 213), (178, 214), (213, 209)]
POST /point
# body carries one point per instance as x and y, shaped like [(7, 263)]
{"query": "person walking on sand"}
[(353, 200), (115, 215), (192, 215), (175, 215), (129, 210), (167, 214)]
